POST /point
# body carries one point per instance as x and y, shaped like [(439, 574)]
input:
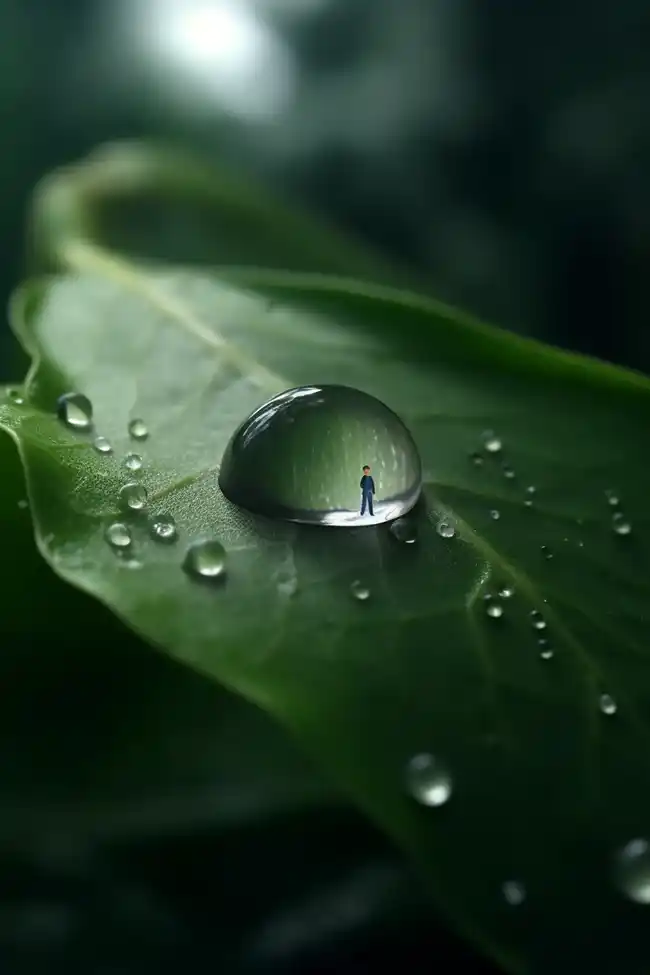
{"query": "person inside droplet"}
[(367, 486)]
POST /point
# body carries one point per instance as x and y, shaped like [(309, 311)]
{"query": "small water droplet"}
[(102, 446), (493, 608), (118, 535), (546, 653), (15, 395), (138, 429), (514, 892), (495, 515), (206, 559), (538, 621), (581, 544), (508, 472), (632, 871), (506, 592), (607, 704), (404, 530), (528, 503), (546, 552), (133, 462), (620, 524), (476, 459), (130, 563), (309, 470), (23, 503), (133, 496), (445, 529), (359, 591), (428, 781), (75, 410), (531, 489), (162, 528), (491, 442), (612, 498)]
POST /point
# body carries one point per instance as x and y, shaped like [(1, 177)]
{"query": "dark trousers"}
[(366, 499)]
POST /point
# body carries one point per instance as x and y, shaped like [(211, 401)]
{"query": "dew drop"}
[(506, 592), (162, 528), (404, 530), (206, 559), (102, 446), (493, 608), (546, 653), (428, 781), (632, 871), (359, 591), (133, 496), (546, 552), (118, 535), (514, 892), (538, 621), (300, 457), (528, 503), (607, 704), (138, 429), (620, 524), (476, 459), (75, 410), (23, 504), (445, 529), (491, 442), (16, 397), (508, 472), (495, 515), (612, 498), (531, 489), (133, 462)]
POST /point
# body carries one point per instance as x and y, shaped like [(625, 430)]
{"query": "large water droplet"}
[(133, 462), (491, 442), (118, 535), (607, 704), (632, 870), (404, 530), (162, 528), (446, 529), (206, 559), (301, 455), (514, 892), (75, 410), (495, 515), (620, 524), (138, 429), (506, 592), (493, 608), (359, 591), (428, 781), (102, 445), (133, 496)]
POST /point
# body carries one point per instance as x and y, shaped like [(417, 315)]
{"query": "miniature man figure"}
[(367, 486)]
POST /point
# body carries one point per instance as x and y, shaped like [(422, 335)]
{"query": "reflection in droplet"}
[(133, 462), (118, 535), (138, 429), (133, 496), (632, 870), (206, 559), (162, 528), (428, 781), (359, 591), (75, 410), (300, 457), (102, 445)]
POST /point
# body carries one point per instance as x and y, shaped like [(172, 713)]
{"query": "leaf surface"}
[(545, 786)]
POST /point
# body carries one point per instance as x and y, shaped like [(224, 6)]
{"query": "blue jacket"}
[(367, 484)]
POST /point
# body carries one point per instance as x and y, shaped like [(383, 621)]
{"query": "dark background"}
[(499, 147)]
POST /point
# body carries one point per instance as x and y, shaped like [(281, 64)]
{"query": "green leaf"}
[(546, 787), (101, 735)]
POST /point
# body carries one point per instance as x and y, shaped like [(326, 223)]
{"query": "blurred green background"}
[(500, 148)]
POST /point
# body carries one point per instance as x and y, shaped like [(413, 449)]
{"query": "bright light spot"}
[(216, 49)]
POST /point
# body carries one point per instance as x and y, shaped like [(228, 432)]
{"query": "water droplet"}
[(546, 552), (102, 446), (476, 459), (206, 559), (133, 462), (131, 563), (446, 529), (133, 496), (620, 524), (632, 871), (514, 892), (612, 498), (75, 410), (404, 530), (495, 515), (138, 430), (428, 781), (493, 608), (118, 535), (359, 591), (506, 592), (607, 704), (508, 472), (538, 621), (309, 470), (15, 395), (491, 442), (528, 503), (531, 489), (23, 503), (546, 653), (162, 528)]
